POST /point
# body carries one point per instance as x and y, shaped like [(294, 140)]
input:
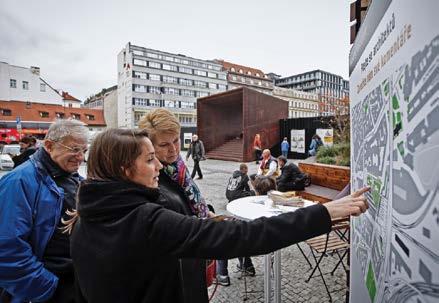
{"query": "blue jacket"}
[(30, 208), (285, 146)]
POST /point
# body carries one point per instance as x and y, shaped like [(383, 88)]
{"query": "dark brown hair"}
[(113, 151), (28, 140), (263, 185)]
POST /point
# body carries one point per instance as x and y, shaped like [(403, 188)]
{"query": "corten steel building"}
[(240, 75), (149, 78), (331, 88), (228, 122)]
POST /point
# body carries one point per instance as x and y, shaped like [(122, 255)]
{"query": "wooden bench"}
[(326, 181)]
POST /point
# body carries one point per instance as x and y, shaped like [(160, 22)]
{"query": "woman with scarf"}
[(126, 247), (179, 191)]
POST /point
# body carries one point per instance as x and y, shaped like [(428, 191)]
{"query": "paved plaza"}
[(294, 267)]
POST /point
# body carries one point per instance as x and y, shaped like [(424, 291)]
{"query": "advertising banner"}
[(298, 140)]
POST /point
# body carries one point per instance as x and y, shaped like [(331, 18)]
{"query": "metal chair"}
[(335, 242)]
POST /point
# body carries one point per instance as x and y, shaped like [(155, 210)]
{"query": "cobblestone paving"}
[(295, 269)]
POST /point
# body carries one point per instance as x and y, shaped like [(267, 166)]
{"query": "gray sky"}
[(75, 43)]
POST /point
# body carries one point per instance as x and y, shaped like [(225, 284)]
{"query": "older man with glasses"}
[(35, 261)]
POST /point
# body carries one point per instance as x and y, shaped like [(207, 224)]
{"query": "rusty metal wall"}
[(219, 118), (241, 111)]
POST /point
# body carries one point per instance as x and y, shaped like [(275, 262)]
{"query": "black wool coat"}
[(125, 246)]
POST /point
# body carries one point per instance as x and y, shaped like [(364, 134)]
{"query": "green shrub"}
[(326, 160), (345, 162), (326, 151)]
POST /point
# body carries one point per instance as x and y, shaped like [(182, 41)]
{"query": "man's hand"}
[(352, 205)]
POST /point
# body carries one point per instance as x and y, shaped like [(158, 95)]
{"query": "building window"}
[(249, 73), (170, 104), (25, 85), (171, 91), (200, 72), (168, 58), (185, 104), (139, 75), (154, 90), (222, 76), (139, 88), (44, 114), (153, 64), (140, 102), (139, 62), (90, 117), (201, 94), (212, 85), (154, 77), (242, 79), (186, 82), (6, 112), (201, 84), (222, 87), (154, 103), (42, 87), (153, 55), (234, 78), (138, 52), (185, 70), (76, 116), (60, 115), (241, 71), (232, 69), (257, 75), (170, 79), (169, 67), (187, 93), (212, 75), (13, 83)]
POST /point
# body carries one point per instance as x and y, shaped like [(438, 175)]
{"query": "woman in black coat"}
[(125, 246)]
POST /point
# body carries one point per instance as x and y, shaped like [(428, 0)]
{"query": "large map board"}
[(394, 91)]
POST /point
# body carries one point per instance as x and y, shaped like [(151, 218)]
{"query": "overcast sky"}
[(75, 43)]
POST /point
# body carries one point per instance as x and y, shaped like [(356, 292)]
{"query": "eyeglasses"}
[(73, 150)]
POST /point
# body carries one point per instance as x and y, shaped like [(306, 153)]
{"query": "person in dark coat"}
[(126, 246), (27, 148), (179, 191), (237, 187), (291, 177), (196, 149)]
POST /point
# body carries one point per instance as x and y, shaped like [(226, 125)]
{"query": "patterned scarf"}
[(179, 173)]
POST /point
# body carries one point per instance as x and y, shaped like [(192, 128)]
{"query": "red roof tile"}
[(66, 96), (33, 113), (228, 66)]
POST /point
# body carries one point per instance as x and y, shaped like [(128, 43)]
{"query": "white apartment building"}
[(108, 103), (149, 78), (300, 104), (25, 84)]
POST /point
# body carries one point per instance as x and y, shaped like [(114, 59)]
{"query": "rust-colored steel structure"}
[(239, 115)]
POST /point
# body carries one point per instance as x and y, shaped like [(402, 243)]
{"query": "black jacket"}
[(238, 187), (24, 156), (125, 247), (193, 271), (291, 178), (196, 149)]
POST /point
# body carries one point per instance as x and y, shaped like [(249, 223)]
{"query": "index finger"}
[(360, 191)]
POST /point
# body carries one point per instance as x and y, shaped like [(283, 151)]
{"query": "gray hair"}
[(61, 129)]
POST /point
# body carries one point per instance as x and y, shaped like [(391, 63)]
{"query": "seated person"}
[(268, 165), (316, 142), (263, 185), (237, 187), (291, 178)]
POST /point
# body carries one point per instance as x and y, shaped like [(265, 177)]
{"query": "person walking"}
[(125, 245), (257, 147), (285, 147), (27, 148), (35, 261), (196, 149)]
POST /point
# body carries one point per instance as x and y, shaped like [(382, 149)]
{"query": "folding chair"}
[(329, 244)]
